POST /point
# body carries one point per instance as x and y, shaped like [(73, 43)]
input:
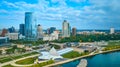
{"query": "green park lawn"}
[(8, 65), (35, 65), (10, 58), (112, 45), (71, 54), (27, 61)]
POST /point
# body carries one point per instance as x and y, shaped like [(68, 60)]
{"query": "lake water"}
[(101, 60)]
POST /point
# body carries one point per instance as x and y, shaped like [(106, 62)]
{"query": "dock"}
[(83, 63)]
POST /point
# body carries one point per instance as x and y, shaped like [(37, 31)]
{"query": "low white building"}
[(12, 36), (21, 36), (53, 36), (53, 54), (101, 43), (112, 30)]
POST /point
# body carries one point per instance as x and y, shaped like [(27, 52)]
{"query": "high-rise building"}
[(74, 31), (11, 30), (112, 30), (22, 29), (65, 29), (52, 29), (30, 27), (39, 32)]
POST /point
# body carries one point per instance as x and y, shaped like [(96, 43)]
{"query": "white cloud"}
[(101, 11), (78, 1), (4, 11), (10, 4)]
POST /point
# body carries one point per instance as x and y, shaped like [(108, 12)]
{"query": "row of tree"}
[(34, 43), (89, 38)]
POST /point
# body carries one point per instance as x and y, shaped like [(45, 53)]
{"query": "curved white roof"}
[(66, 50), (53, 54)]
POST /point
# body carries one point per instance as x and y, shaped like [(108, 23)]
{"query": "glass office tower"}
[(22, 29), (30, 27)]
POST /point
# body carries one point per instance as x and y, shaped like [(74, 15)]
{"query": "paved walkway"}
[(69, 60), (18, 65), (15, 54), (13, 61)]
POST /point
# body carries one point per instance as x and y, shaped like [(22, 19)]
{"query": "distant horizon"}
[(79, 29)]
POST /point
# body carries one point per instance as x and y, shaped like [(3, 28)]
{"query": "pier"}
[(83, 63)]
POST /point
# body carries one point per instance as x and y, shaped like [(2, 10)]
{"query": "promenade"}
[(69, 60), (54, 64)]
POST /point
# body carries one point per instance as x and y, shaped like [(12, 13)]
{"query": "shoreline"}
[(66, 61)]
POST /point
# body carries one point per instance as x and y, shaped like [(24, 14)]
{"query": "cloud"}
[(77, 1), (2, 11), (10, 4), (98, 12)]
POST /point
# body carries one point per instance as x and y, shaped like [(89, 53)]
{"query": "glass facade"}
[(30, 28), (11, 30), (52, 29), (22, 29), (66, 29)]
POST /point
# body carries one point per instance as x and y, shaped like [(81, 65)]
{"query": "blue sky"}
[(82, 14)]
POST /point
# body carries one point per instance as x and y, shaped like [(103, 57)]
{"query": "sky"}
[(82, 14)]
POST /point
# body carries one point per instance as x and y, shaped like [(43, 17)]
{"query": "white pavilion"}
[(54, 54)]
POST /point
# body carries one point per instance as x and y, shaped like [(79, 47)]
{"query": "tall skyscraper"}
[(22, 29), (74, 31), (52, 29), (65, 29), (39, 32), (30, 27), (112, 30)]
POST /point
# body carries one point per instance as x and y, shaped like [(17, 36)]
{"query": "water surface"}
[(102, 60)]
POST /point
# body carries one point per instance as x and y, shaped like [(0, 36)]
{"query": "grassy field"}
[(27, 61), (112, 45), (8, 65), (35, 65), (43, 63), (5, 59), (9, 58), (71, 54)]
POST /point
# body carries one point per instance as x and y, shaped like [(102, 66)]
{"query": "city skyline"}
[(82, 14)]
